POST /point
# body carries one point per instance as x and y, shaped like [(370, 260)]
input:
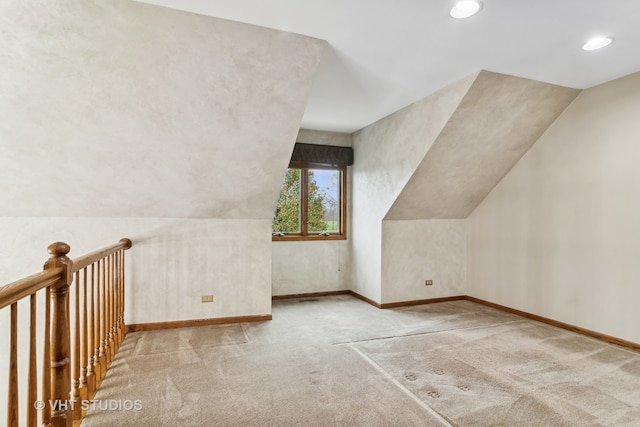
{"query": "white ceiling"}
[(386, 54)]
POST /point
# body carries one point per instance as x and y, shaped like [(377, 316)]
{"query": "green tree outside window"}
[(322, 202)]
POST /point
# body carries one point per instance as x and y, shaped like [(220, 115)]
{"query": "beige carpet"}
[(518, 373), (337, 361), (155, 342)]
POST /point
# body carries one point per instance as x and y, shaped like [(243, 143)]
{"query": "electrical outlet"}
[(428, 282), (207, 298)]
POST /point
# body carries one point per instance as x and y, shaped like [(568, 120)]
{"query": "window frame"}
[(304, 234)]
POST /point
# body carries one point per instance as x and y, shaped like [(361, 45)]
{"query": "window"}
[(312, 204)]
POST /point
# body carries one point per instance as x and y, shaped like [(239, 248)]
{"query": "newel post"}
[(60, 349)]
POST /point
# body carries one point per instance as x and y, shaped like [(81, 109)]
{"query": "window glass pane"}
[(287, 216), (324, 201)]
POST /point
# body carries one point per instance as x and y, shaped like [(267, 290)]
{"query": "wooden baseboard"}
[(143, 327), (421, 301), (365, 299), (326, 294), (310, 295), (582, 331), (405, 303), (368, 300)]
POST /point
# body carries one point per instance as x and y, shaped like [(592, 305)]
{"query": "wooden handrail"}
[(88, 259), (80, 340), (14, 292)]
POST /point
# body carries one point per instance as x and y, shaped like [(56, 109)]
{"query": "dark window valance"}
[(322, 155)]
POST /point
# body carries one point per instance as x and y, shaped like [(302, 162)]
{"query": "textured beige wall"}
[(439, 164), (558, 236), (172, 263), (414, 251), (386, 154), (314, 266), (122, 119)]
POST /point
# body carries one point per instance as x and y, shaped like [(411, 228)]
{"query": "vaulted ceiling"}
[(386, 54)]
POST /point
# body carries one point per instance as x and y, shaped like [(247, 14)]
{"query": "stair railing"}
[(83, 329)]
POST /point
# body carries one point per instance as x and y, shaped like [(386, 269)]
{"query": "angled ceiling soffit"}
[(495, 124)]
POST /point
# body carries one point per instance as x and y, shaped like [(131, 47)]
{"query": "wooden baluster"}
[(121, 310), (32, 381), (12, 407), (112, 284), (97, 363), (75, 351), (109, 295), (120, 297), (114, 287), (91, 374), (122, 282), (112, 307), (105, 311), (83, 340), (45, 393), (60, 350), (117, 300), (103, 319), (118, 293), (128, 244)]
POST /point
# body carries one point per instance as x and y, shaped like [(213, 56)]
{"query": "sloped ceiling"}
[(497, 121), (387, 54), (118, 108)]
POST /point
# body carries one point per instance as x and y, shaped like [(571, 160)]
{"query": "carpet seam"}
[(402, 388), (426, 333)]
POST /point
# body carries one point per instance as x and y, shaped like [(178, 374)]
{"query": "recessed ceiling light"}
[(465, 8), (597, 43)]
